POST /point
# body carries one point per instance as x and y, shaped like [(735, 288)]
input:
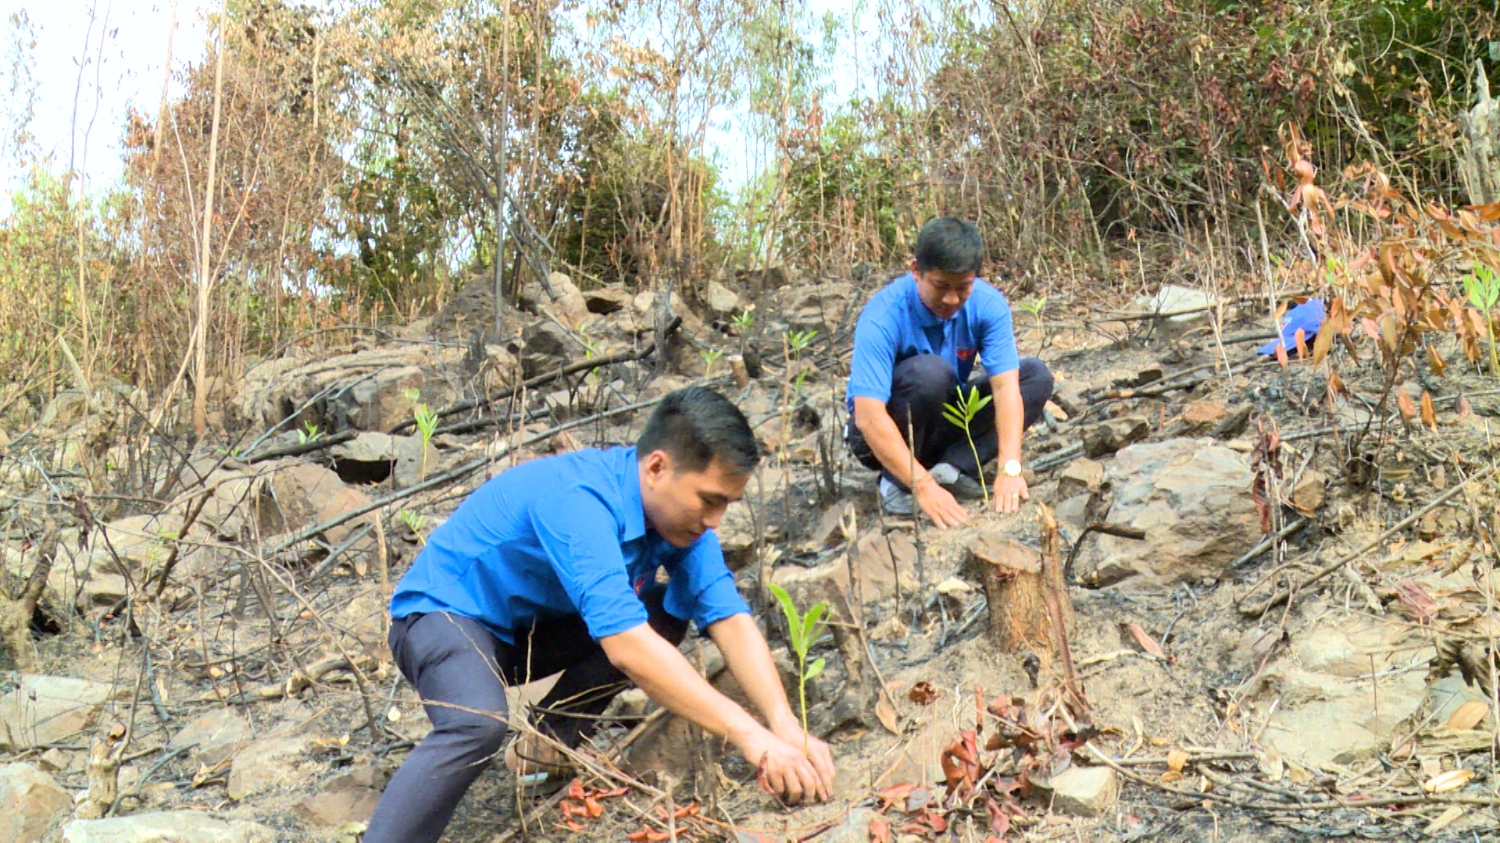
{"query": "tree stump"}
[(1020, 584), (1479, 155)]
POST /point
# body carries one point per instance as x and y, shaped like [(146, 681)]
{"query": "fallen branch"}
[(1285, 595)]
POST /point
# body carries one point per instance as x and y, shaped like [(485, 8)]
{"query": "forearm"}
[(886, 442), (749, 659), (665, 675), (1010, 415)]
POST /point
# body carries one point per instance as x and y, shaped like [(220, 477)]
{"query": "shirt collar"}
[(634, 509), (923, 317)]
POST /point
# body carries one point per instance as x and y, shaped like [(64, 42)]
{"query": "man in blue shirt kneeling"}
[(915, 342), (551, 567)]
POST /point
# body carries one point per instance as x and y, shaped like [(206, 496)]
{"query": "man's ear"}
[(913, 266), (658, 465)]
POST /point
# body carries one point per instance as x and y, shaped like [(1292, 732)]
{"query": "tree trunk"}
[(1479, 159), (1019, 583)]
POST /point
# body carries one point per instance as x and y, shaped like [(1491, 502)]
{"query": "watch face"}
[(1012, 469)]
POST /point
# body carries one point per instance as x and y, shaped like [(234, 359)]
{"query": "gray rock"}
[(854, 829), (29, 801), (1191, 497), (304, 494), (1084, 791), (62, 411), (607, 300), (217, 734), (269, 763), (1080, 475), (50, 709), (410, 470), (166, 827), (370, 446), (722, 302), (1109, 436), (1172, 298), (379, 402), (549, 347)]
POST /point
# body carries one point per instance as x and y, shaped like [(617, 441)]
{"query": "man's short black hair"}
[(694, 425), (950, 244)]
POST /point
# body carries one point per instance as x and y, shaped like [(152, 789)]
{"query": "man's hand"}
[(1009, 492), (784, 769), (938, 503), (816, 751)]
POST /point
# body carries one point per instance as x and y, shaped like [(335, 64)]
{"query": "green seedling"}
[(962, 414), (414, 523), (802, 631), (710, 357), (1483, 287), (308, 433), (1036, 307), (426, 421), (799, 341), (743, 321)]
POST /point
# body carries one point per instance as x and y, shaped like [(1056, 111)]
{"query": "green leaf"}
[(984, 402), (815, 668), (810, 629), (793, 619), (955, 419)]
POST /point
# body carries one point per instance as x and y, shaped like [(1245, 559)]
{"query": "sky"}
[(94, 60)]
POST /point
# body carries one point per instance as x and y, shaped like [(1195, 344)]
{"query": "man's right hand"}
[(784, 769), (939, 503)]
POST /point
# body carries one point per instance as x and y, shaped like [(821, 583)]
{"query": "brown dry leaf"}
[(1147, 643), (886, 714), (922, 693), (1468, 715), (1171, 776), (1370, 328), (1465, 409), (1281, 355), (1322, 344), (1404, 403), (1451, 780), (1301, 339), (1436, 361), (1429, 414), (1444, 820), (1176, 760)]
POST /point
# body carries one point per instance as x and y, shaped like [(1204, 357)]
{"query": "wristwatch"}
[(1012, 468)]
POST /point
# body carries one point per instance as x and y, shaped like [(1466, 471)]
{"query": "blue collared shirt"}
[(895, 325), (558, 536)]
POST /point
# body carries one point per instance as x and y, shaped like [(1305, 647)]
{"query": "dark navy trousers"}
[(461, 670), (920, 386)]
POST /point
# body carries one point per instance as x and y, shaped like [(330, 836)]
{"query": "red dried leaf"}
[(647, 834), (611, 794), (1418, 604), (999, 820), (689, 810), (1281, 355), (893, 794), (923, 693), (880, 830), (575, 790), (1301, 339), (575, 827), (1465, 409), (1143, 638), (1404, 403), (592, 807), (960, 763), (1429, 414)]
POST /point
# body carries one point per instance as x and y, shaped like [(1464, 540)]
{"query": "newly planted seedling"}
[(710, 357), (308, 433), (962, 414), (1036, 307), (799, 341), (743, 321), (426, 421), (802, 631), (1483, 287), (413, 522)]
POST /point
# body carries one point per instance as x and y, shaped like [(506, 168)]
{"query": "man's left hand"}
[(1009, 492), (817, 752)]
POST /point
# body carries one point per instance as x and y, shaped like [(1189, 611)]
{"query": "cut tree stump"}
[(1019, 583)]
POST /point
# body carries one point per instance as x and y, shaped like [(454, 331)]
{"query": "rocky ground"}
[(195, 630)]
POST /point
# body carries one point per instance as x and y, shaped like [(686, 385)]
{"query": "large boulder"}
[(214, 735), (50, 709), (1192, 499), (379, 402), (166, 827), (548, 348), (303, 494), (29, 801), (271, 763)]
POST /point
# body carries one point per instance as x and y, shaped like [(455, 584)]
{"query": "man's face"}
[(944, 293), (682, 505)]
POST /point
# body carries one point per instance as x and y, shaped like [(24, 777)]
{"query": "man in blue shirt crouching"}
[(916, 340), (551, 567)]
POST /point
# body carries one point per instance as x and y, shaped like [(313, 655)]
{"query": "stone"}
[(50, 709), (1108, 436), (166, 827), (606, 300), (335, 806), (53, 760), (736, 532), (1074, 511), (63, 411), (379, 402), (1310, 493), (1172, 298), (217, 734), (29, 801), (1192, 499), (722, 302), (873, 555), (548, 347), (854, 829), (1068, 394), (410, 469), (1203, 414), (1080, 475), (304, 494), (503, 368), (368, 446), (818, 307), (1084, 791), (826, 533), (269, 763), (568, 303)]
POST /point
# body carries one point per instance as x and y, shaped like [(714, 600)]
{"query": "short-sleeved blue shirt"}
[(895, 325), (563, 535)]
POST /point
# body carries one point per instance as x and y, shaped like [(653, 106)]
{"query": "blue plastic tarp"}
[(1307, 316)]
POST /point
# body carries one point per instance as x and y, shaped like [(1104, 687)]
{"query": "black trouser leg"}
[(453, 660), (921, 385), (588, 682)]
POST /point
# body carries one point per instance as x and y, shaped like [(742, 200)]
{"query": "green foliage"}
[(962, 414), (743, 321), (427, 422), (308, 433), (799, 341), (710, 357), (803, 630), (1036, 307), (414, 522), (1483, 289)]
